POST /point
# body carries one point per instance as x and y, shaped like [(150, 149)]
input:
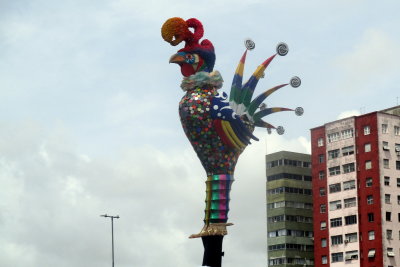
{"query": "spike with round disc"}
[(282, 49), (249, 44), (295, 82)]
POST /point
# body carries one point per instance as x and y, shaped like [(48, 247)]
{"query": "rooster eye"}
[(189, 58)]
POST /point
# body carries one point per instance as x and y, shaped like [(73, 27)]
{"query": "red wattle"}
[(187, 70)]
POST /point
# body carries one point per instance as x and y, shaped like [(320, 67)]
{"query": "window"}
[(368, 165), (323, 225), (321, 175), (290, 190), (320, 142), (336, 240), (371, 253), (335, 205), (385, 145), (386, 163), (348, 168), (397, 149), (390, 252), (367, 130), (385, 128), (321, 158), (323, 243), (324, 260), (333, 137), (398, 199), (335, 222), (352, 219), (389, 234), (387, 198), (388, 216), (370, 200), (368, 182), (333, 188), (337, 257), (348, 150), (322, 191), (349, 185), (396, 130), (322, 208), (387, 180), (274, 163), (351, 237), (370, 217), (351, 255), (348, 133), (350, 202), (371, 235), (397, 165), (334, 170), (332, 154), (367, 147)]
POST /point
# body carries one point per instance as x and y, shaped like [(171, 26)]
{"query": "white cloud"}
[(17, 32), (348, 113), (370, 63)]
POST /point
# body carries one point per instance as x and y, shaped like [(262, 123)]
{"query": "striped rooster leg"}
[(217, 205)]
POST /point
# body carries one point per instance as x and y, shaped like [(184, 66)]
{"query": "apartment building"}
[(356, 185), (289, 209)]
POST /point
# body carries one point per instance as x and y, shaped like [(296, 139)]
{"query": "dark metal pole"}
[(212, 250), (112, 234), (112, 239)]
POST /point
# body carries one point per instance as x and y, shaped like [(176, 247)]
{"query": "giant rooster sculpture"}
[(218, 128)]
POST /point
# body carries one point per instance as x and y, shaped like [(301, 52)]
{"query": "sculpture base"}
[(213, 229)]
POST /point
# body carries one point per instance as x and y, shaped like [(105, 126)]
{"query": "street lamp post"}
[(112, 233)]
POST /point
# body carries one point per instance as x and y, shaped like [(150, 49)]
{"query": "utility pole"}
[(112, 233)]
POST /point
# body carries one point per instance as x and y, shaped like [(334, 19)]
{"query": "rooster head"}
[(195, 56)]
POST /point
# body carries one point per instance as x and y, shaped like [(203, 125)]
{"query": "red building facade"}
[(356, 190)]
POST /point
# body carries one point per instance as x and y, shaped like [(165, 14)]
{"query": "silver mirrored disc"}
[(295, 82), (249, 44), (280, 130), (282, 49), (299, 111)]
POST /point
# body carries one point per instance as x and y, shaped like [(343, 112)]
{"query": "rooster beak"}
[(179, 59)]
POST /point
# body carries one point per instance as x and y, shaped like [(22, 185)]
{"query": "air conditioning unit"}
[(385, 147), (346, 241), (397, 149)]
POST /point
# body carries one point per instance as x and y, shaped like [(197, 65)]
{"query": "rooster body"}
[(198, 125), (219, 128)]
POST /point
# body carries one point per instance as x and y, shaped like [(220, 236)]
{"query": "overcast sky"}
[(89, 122)]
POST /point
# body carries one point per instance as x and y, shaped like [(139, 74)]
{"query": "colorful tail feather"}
[(241, 94)]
